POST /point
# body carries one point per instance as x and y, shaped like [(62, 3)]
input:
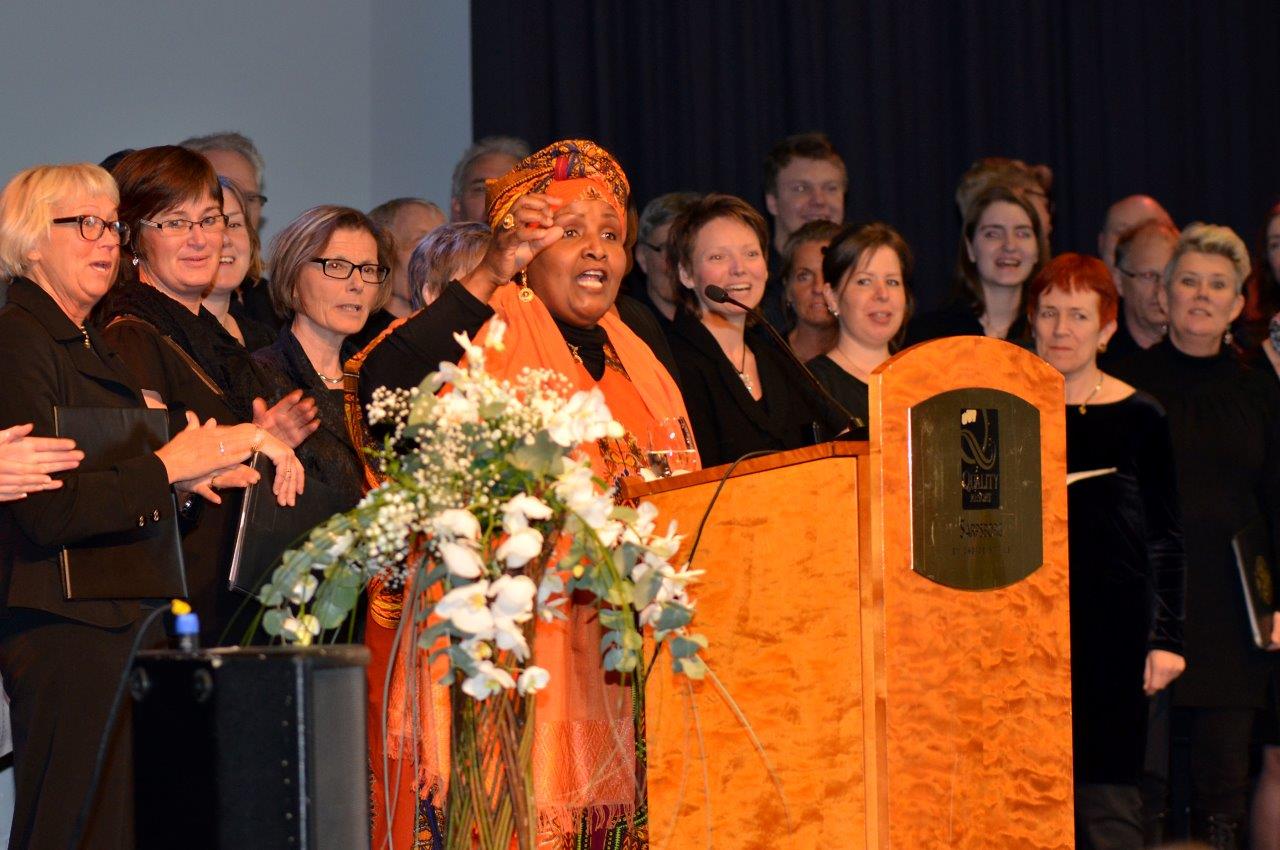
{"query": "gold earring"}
[(526, 294)]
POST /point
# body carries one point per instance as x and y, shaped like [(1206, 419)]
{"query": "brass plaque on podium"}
[(975, 489)]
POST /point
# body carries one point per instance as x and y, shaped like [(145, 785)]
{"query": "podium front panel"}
[(972, 686), (780, 605)]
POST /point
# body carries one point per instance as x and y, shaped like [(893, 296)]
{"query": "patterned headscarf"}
[(571, 170)]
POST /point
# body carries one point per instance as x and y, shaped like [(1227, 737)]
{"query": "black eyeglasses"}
[(181, 225), (339, 269), (255, 198), (92, 227), (1148, 278)]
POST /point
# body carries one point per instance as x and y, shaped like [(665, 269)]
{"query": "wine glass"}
[(671, 450)]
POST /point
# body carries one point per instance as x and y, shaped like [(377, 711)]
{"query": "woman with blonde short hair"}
[(60, 240), (1225, 422)]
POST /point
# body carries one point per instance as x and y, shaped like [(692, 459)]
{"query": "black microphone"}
[(718, 295)]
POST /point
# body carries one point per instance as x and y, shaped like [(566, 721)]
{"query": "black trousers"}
[(1108, 817), (1221, 739), (61, 677)]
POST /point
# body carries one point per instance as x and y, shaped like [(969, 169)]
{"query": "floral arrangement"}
[(488, 508)]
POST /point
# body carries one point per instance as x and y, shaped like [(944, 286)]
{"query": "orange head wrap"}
[(571, 170)]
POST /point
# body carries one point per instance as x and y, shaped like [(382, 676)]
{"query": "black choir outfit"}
[(60, 659), (846, 388), (727, 422), (1225, 423), (328, 455), (1127, 583), (194, 365)]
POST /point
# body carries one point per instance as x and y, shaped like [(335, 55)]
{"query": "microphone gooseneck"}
[(719, 296)]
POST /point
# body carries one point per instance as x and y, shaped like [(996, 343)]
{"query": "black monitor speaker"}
[(254, 747)]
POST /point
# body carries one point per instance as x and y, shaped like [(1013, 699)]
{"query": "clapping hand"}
[(291, 419), (27, 463)]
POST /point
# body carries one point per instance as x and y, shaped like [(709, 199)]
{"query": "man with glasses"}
[(1141, 255), (235, 157)]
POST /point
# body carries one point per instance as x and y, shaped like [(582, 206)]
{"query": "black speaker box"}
[(252, 748)]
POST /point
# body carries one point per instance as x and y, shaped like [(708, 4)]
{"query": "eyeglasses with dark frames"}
[(92, 227), (657, 249), (173, 227), (1148, 278), (340, 269), (255, 198)]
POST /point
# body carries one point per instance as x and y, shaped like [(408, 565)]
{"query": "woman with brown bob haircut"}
[(329, 274), (1002, 247), (179, 353), (743, 393), (866, 269)]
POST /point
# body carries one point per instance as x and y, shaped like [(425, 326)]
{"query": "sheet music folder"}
[(266, 530), (1254, 560), (140, 563)]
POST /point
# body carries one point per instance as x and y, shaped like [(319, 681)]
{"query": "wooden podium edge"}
[(632, 488)]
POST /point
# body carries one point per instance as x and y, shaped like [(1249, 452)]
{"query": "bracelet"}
[(259, 438)]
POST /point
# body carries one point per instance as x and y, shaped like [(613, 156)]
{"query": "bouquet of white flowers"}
[(488, 505)]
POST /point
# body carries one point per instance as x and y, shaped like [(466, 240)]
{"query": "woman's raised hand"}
[(291, 419), (27, 463), (517, 239)]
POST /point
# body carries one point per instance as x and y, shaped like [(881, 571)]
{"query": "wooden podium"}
[(881, 684)]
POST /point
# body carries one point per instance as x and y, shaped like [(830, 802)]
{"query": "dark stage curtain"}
[(1180, 100)]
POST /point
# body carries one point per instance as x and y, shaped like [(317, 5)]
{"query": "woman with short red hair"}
[(1126, 562)]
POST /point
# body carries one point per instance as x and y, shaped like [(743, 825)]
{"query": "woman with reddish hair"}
[(1126, 562)]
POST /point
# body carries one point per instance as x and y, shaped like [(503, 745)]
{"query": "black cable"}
[(724, 479), (82, 818)]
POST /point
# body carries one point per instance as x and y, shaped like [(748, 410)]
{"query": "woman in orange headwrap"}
[(551, 274)]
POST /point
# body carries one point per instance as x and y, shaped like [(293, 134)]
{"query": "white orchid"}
[(457, 523), (341, 545), (473, 352), (583, 418), (520, 548), (532, 679), (303, 589), (497, 330), (467, 608), (513, 598), (462, 559), (509, 636), (519, 509), (550, 596), (489, 679), (301, 629)]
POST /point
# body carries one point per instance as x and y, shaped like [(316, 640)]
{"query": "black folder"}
[(1254, 560), (140, 563), (266, 530)]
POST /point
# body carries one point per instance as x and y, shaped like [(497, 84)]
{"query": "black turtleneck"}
[(1224, 418)]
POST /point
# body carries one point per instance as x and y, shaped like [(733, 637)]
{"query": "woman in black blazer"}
[(61, 659), (742, 392), (172, 201)]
